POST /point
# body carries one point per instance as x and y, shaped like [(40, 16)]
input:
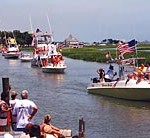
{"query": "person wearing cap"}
[(110, 74), (47, 128), (24, 110)]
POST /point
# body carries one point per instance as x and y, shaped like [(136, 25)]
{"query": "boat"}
[(55, 63), (12, 49), (123, 87), (58, 67), (25, 57), (46, 55)]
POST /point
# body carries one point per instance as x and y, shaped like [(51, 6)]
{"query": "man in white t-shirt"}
[(24, 110), (12, 102)]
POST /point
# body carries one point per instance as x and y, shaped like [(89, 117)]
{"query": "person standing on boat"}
[(109, 57), (24, 110), (110, 74), (101, 74), (147, 72)]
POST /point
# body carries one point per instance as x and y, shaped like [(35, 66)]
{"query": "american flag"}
[(128, 47)]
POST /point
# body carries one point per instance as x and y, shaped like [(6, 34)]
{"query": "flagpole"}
[(136, 50), (116, 53)]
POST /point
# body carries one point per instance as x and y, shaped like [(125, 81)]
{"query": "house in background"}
[(72, 42)]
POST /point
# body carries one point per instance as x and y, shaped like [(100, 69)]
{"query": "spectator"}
[(31, 131), (24, 110), (5, 119), (48, 129), (12, 102)]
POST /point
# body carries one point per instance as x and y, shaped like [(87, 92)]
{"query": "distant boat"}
[(25, 58), (123, 88), (12, 49)]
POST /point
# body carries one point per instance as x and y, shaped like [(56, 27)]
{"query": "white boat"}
[(122, 88), (55, 62), (12, 50), (55, 68), (44, 53), (25, 58)]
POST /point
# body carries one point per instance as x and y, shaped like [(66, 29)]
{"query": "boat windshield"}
[(43, 39)]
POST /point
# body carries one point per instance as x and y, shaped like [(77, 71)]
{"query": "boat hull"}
[(12, 55), (25, 60), (28, 59), (53, 69), (135, 92)]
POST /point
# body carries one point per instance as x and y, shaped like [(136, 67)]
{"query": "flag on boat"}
[(128, 47)]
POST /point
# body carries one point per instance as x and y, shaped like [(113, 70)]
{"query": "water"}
[(65, 97)]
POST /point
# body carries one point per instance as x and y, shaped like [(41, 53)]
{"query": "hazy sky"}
[(87, 20)]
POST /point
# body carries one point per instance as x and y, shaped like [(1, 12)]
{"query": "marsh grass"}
[(97, 53)]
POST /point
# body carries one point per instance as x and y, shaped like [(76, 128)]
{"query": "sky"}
[(87, 20)]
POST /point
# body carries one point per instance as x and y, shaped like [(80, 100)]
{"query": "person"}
[(5, 119), (101, 74), (24, 111), (108, 57), (39, 61), (31, 131), (47, 128), (139, 72), (147, 72), (12, 102), (13, 99), (110, 74)]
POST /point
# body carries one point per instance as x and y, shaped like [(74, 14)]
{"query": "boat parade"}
[(74, 69), (129, 81)]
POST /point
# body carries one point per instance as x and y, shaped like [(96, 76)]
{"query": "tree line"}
[(22, 38)]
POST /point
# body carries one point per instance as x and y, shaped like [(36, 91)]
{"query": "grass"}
[(97, 53)]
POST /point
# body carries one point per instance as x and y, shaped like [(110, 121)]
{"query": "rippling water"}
[(65, 97)]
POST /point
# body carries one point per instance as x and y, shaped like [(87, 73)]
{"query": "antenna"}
[(31, 23), (52, 38)]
